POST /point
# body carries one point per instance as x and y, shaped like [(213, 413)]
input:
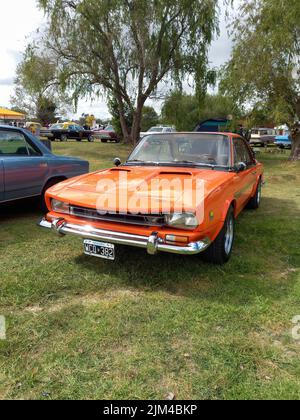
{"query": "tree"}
[(264, 68), (90, 120), (46, 110), (150, 118), (181, 111), (36, 91), (126, 48), (185, 111)]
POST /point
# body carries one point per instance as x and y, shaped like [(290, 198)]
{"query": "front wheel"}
[(90, 139), (220, 250), (63, 137)]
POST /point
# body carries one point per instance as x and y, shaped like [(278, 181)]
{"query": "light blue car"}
[(28, 168), (284, 141)]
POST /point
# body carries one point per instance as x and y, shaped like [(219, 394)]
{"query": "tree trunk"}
[(137, 119), (295, 154), (123, 122)]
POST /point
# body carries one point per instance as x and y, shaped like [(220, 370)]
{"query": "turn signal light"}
[(177, 239)]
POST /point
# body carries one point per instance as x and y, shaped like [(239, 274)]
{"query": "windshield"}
[(57, 126), (183, 150), (156, 130)]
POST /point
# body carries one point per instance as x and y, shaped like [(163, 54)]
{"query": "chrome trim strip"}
[(153, 243)]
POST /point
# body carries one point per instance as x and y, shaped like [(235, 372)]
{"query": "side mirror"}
[(117, 162), (241, 167)]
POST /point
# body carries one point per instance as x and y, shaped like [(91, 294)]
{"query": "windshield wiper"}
[(144, 162), (190, 162), (174, 163)]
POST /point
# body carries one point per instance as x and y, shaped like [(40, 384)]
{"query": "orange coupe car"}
[(178, 193)]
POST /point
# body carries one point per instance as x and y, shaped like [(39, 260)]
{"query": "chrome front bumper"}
[(152, 243)]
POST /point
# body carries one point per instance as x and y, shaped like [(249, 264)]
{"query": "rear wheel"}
[(90, 139), (63, 137), (221, 249), (255, 201)]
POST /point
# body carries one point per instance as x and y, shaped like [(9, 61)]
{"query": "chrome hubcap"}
[(229, 235)]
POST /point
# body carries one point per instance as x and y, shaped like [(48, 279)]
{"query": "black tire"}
[(49, 184), (255, 201), (90, 139), (63, 138), (220, 250)]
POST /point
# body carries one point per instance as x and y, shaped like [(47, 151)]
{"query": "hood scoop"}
[(120, 170), (175, 173)]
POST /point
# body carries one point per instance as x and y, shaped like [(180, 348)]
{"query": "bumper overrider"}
[(153, 244)]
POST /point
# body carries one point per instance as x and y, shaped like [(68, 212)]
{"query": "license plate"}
[(99, 250)]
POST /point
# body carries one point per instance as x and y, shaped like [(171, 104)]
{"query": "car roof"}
[(197, 133), (9, 127)]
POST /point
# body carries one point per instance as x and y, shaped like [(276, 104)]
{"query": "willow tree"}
[(127, 48), (36, 88), (264, 69)]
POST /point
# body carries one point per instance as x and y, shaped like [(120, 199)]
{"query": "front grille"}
[(132, 219)]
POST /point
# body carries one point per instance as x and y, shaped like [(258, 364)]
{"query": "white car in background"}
[(158, 130)]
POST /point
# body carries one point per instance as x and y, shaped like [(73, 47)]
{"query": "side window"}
[(33, 151), (241, 152), (12, 143)]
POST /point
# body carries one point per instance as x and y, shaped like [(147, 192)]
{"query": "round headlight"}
[(60, 207), (182, 220)]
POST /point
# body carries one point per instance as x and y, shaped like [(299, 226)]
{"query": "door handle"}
[(43, 165)]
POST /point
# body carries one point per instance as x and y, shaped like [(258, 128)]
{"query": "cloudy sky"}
[(19, 20)]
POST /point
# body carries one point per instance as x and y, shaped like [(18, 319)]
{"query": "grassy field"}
[(142, 327)]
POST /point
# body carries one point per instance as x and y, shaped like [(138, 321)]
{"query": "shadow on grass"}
[(15, 210)]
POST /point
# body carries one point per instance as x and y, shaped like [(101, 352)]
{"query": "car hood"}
[(166, 188)]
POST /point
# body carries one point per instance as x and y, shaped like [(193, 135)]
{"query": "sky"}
[(21, 18)]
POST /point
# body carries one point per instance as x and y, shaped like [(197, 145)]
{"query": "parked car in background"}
[(68, 131), (158, 130), (284, 141), (28, 168), (262, 136), (107, 134), (46, 133), (33, 127), (176, 193)]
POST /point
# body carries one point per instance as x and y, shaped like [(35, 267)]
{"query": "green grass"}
[(142, 327)]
